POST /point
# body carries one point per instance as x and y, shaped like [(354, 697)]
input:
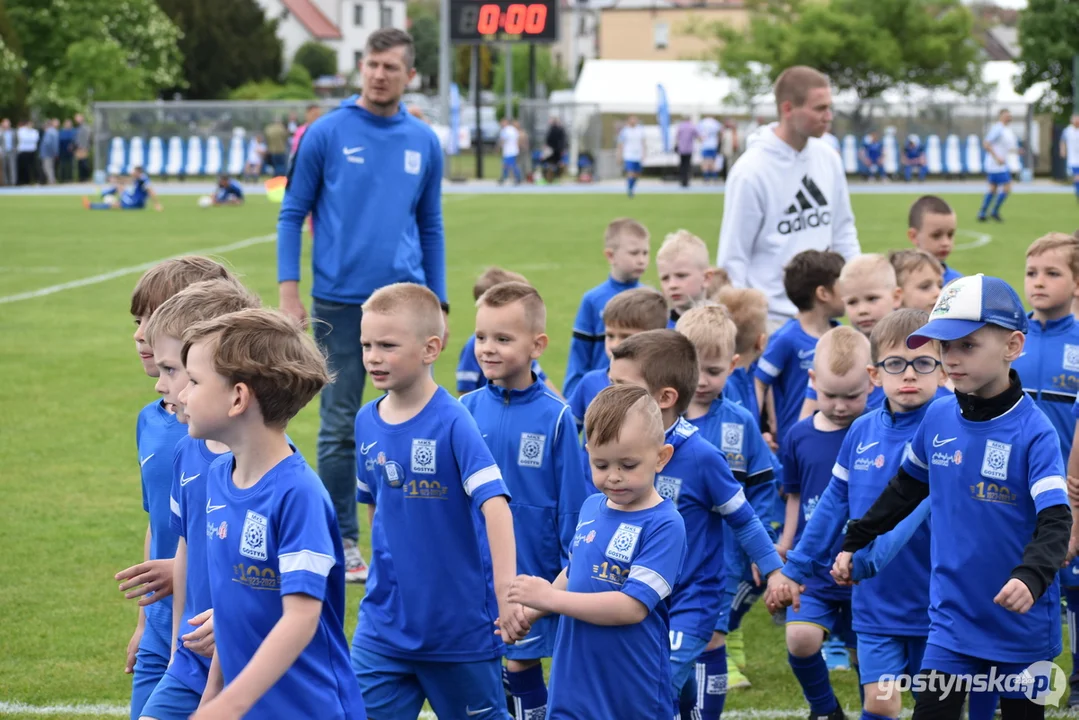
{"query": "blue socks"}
[(100, 206), (866, 715), (985, 204), (982, 705), (631, 183), (812, 674), (712, 683), (529, 692), (1076, 189), (1000, 201), (687, 700), (1072, 596)]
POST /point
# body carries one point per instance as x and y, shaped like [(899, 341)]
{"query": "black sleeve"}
[(1046, 550), (899, 499)]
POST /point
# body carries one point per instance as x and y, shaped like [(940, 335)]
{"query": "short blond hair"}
[(641, 308), (607, 414), (868, 265), (494, 276), (719, 280), (528, 297), (794, 83), (1058, 241), (907, 262), (894, 329), (417, 300), (169, 277), (842, 349), (201, 301), (267, 351), (621, 228), (748, 309), (683, 243), (711, 331)]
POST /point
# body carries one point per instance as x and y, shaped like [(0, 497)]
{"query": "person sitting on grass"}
[(228, 192), (131, 198)]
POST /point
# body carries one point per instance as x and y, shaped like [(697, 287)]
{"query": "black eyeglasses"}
[(923, 365)]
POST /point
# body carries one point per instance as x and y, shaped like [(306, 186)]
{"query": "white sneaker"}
[(355, 565)]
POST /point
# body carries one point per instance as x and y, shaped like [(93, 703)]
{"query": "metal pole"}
[(444, 50), (532, 71), (507, 53), (479, 128)]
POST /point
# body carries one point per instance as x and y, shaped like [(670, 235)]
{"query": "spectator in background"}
[(871, 155), (66, 170), (526, 155), (26, 139), (277, 147), (684, 137), (256, 157), (313, 114), (913, 159), (8, 174), (728, 146), (82, 148), (556, 148), (292, 124), (50, 150)]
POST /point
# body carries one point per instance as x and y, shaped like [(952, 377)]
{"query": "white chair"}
[(973, 155), (174, 166), (193, 166), (213, 156), (890, 158), (136, 154), (953, 155), (155, 158), (117, 156), (934, 163), (236, 155), (850, 154)]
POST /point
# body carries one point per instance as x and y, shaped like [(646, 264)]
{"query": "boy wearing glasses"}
[(891, 626)]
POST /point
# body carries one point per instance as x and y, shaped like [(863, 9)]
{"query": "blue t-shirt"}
[(619, 671), (586, 349), (736, 433), (699, 482), (873, 150), (785, 367), (950, 274), (469, 374), (593, 382), (135, 195), (191, 472), (156, 434), (740, 391), (913, 152), (808, 456), (430, 590), (534, 441), (279, 537), (1049, 371), (987, 483), (231, 190)]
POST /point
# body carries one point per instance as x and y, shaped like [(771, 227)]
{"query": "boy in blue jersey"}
[(228, 192), (131, 198), (532, 436), (871, 153), (684, 272), (748, 310), (626, 314), (179, 692), (626, 247), (920, 277), (736, 432), (469, 374), (611, 654), (808, 454), (931, 225), (809, 280), (275, 561), (156, 434), (439, 520), (700, 483), (890, 612), (989, 462)]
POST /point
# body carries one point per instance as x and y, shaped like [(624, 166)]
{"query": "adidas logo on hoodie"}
[(807, 211)]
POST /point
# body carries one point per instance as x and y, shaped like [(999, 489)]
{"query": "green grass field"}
[(71, 387)]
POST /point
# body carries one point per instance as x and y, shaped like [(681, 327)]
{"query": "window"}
[(357, 14), (357, 58), (386, 17), (660, 32)]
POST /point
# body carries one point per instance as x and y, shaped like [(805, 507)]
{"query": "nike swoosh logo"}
[(186, 480), (470, 712), (862, 448), (143, 461), (364, 449), (586, 522), (803, 354), (352, 151), (1023, 354), (210, 508), (937, 442), (528, 640)]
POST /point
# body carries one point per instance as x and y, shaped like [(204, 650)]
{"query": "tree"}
[(317, 58), (551, 75), (1047, 45), (297, 86), (12, 69), (100, 65), (225, 44), (425, 37)]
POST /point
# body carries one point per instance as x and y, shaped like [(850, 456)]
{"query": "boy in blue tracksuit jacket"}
[(532, 437)]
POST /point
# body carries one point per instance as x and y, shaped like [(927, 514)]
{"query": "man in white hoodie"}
[(787, 193)]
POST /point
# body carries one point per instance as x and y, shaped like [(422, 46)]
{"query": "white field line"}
[(980, 240), (131, 270)]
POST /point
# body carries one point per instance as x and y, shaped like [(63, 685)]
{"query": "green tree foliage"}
[(317, 58), (225, 44), (548, 73), (1048, 42), (12, 69), (425, 31), (297, 86)]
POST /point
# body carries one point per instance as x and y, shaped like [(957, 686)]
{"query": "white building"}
[(343, 25)]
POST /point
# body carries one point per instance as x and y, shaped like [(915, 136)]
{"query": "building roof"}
[(1002, 42), (316, 22)]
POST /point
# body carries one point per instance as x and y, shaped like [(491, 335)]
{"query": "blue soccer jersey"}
[(950, 274), (279, 537), (232, 190), (619, 671), (586, 349), (430, 590), (740, 391), (987, 483), (785, 367), (1049, 371), (469, 374), (699, 482), (156, 434), (136, 195), (808, 456), (585, 392), (191, 471)]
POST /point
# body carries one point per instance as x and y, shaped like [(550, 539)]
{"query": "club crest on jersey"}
[(1071, 358), (530, 452), (423, 456), (253, 536), (623, 543), (412, 162), (669, 487), (732, 434), (995, 460)]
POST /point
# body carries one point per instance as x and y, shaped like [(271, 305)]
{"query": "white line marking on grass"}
[(30, 269), (133, 269), (980, 240)]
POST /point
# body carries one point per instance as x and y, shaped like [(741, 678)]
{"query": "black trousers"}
[(27, 170), (685, 169), (934, 705)]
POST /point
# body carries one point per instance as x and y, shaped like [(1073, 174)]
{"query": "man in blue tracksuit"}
[(370, 175)]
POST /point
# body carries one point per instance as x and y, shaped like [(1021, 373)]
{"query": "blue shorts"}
[(509, 161), (880, 655), (538, 644), (151, 662), (685, 649), (172, 700), (632, 166), (999, 178), (953, 663), (709, 154), (393, 688), (832, 616), (1069, 576)]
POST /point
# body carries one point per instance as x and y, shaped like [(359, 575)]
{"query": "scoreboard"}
[(481, 21)]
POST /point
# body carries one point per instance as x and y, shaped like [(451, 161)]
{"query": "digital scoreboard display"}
[(480, 21)]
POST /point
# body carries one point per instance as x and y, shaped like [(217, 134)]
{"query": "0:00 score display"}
[(496, 20)]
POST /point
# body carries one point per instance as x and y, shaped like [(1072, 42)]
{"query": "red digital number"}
[(519, 18), (536, 19), (488, 20), (515, 19)]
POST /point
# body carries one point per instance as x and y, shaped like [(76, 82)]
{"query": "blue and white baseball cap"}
[(968, 304)]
